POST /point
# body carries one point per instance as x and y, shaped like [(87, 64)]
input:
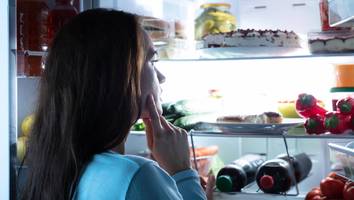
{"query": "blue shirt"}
[(111, 176)]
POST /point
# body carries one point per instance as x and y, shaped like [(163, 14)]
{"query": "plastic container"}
[(324, 16), (339, 93), (215, 18), (236, 175), (343, 155)]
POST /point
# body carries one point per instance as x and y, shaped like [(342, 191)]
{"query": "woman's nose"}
[(160, 76)]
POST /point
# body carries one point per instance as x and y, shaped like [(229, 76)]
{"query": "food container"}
[(339, 93), (341, 13), (344, 75), (343, 159), (214, 18)]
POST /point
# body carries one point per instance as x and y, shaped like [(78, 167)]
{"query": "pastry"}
[(252, 38), (331, 42), (264, 118)]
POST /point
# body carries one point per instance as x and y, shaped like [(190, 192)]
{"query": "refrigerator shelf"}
[(29, 52), (247, 53), (260, 135), (255, 196), (252, 192)]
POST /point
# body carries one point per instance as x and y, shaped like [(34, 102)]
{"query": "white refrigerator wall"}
[(4, 102)]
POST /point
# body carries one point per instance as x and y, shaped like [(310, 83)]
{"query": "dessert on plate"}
[(252, 38)]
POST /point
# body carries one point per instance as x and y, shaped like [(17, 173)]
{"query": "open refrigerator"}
[(249, 79)]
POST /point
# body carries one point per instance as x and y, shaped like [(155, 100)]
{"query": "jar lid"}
[(208, 5), (342, 89)]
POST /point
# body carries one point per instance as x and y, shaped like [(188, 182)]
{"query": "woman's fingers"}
[(149, 133), (154, 115), (210, 186), (166, 125)]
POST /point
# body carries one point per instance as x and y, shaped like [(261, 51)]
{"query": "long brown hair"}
[(89, 98)]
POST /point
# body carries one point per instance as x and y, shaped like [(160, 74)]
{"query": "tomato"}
[(332, 188), (338, 177), (348, 191), (314, 192)]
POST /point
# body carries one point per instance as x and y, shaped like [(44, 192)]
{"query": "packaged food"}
[(215, 18)]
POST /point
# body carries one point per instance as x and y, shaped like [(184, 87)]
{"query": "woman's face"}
[(151, 78)]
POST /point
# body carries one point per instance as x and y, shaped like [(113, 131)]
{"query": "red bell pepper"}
[(315, 124), (351, 122), (332, 188), (346, 105), (307, 105), (348, 191), (336, 122)]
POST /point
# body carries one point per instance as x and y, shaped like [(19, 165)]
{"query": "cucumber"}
[(188, 122), (139, 126)]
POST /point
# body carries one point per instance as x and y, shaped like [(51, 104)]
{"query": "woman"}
[(99, 79)]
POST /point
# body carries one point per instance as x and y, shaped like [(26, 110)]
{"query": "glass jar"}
[(215, 18), (31, 25), (62, 12), (344, 75)]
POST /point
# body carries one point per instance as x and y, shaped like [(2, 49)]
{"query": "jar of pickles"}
[(215, 18)]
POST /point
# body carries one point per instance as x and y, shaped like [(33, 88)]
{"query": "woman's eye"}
[(152, 62)]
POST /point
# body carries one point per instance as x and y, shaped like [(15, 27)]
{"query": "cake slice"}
[(252, 38)]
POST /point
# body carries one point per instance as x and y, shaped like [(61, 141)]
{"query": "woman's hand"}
[(167, 143), (209, 190)]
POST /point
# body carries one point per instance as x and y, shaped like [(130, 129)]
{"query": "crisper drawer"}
[(300, 16)]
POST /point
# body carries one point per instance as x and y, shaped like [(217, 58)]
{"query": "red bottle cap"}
[(266, 182)]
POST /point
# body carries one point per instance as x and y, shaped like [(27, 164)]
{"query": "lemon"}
[(287, 109), (21, 148), (26, 124)]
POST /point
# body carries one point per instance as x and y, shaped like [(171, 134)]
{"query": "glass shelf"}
[(256, 196), (247, 53), (30, 53), (237, 53), (260, 135)]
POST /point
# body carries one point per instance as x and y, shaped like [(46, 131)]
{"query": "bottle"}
[(31, 28), (62, 12), (239, 173), (275, 176)]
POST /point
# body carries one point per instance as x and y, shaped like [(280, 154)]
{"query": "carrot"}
[(205, 151)]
